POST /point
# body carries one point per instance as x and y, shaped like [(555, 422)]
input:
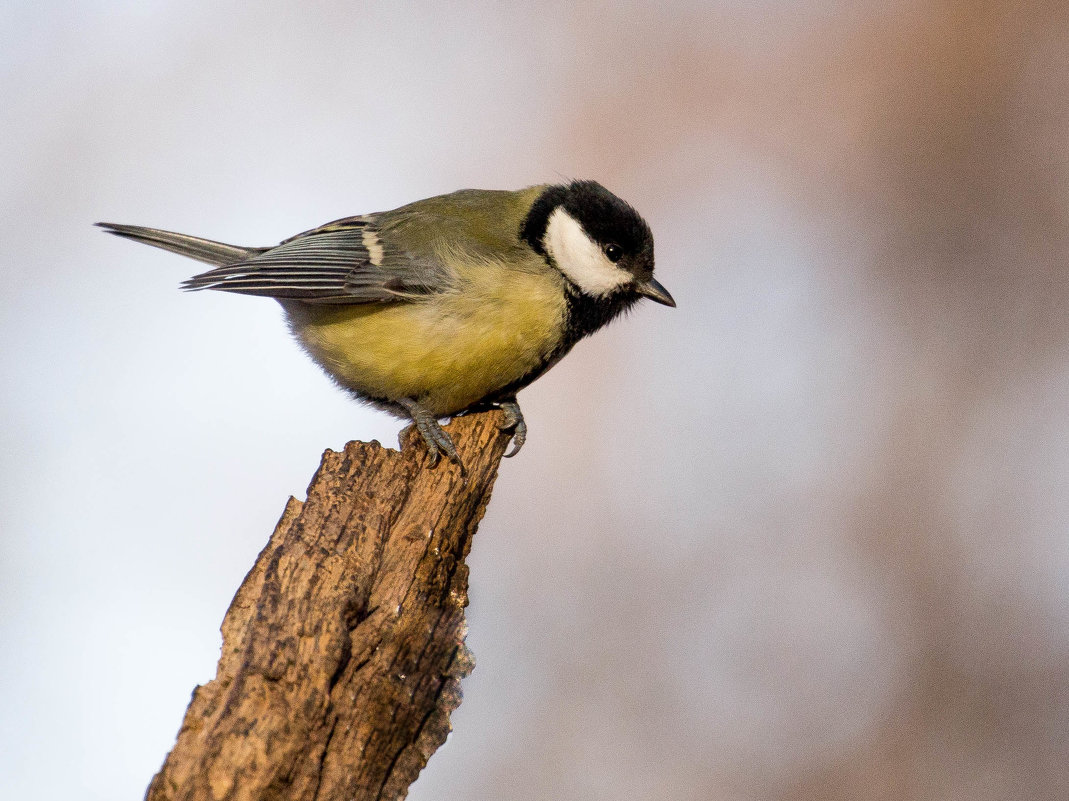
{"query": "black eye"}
[(614, 252)]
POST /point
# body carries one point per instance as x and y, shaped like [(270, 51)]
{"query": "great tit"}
[(447, 304)]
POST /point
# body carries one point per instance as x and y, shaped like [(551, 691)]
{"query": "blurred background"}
[(804, 537)]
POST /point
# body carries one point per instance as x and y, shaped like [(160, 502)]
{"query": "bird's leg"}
[(434, 435), (514, 423)]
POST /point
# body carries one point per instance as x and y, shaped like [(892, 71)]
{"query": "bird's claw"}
[(438, 442), (514, 422)]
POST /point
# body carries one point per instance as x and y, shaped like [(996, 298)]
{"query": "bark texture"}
[(344, 648)]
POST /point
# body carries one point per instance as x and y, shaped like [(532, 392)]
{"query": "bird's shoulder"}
[(476, 222)]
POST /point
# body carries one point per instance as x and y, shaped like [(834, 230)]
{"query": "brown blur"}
[(928, 143)]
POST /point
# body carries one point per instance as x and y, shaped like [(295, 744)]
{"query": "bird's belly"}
[(447, 352)]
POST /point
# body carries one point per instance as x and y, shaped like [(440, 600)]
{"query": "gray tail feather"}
[(192, 246)]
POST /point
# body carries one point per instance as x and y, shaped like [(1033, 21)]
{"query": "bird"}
[(449, 304)]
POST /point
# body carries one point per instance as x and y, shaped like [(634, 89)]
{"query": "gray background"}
[(804, 537)]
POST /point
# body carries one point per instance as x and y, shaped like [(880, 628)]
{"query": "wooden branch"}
[(344, 648)]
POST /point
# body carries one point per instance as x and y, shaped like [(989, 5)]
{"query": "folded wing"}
[(339, 263)]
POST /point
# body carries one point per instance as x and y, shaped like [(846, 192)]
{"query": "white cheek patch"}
[(579, 257)]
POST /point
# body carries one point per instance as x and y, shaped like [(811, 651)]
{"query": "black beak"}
[(654, 291)]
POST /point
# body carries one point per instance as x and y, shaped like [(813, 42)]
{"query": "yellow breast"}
[(447, 351)]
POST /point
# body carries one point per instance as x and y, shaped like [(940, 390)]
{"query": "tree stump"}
[(344, 648)]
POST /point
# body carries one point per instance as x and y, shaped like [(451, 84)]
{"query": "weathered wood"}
[(344, 648)]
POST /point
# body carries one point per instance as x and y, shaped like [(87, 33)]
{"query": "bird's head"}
[(602, 246)]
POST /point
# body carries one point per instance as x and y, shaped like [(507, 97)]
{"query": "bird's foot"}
[(438, 442), (514, 423)]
